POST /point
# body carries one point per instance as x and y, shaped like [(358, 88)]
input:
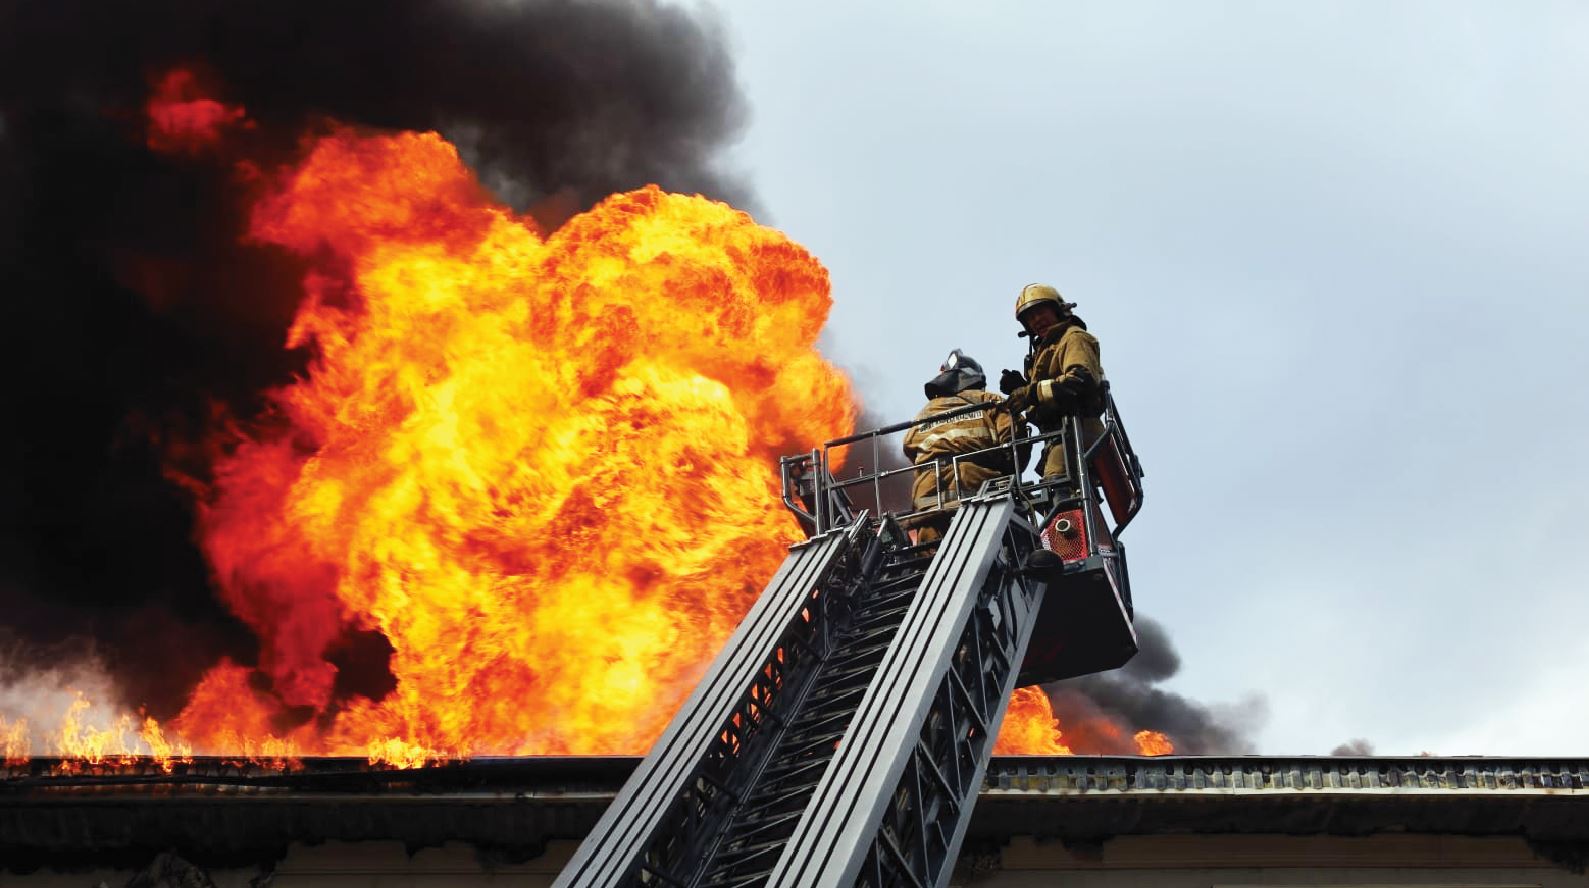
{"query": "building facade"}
[(1080, 822)]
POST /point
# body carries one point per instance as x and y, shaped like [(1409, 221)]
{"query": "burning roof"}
[(522, 483), (341, 435)]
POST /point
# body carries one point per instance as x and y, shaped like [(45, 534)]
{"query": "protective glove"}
[(1010, 380), (1020, 399)]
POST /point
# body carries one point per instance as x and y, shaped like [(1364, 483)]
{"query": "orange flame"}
[(182, 119), (238, 720), (80, 739), (165, 752), (544, 468), (15, 742), (1030, 727), (1153, 743)]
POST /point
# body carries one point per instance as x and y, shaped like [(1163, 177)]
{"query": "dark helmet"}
[(957, 373)]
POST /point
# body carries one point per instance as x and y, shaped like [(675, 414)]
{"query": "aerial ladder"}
[(841, 735)]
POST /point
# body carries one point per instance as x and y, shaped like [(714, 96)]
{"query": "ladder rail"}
[(874, 812), (754, 836), (669, 779), (841, 736)]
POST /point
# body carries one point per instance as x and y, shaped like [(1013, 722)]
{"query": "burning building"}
[(501, 487), (290, 355), (1085, 821), (344, 438)]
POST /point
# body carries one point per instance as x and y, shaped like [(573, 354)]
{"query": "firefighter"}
[(959, 384), (1063, 377)]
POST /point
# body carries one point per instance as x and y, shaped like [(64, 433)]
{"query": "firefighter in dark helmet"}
[(1063, 375), (959, 384)]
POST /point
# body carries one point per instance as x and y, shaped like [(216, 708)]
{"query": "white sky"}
[(1335, 253)]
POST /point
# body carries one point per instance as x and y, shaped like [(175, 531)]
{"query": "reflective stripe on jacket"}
[(1066, 373), (957, 436)]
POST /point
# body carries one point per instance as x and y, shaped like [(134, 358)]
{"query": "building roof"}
[(216, 811)]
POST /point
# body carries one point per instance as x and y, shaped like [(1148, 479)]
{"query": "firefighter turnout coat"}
[(1067, 379), (943, 440)]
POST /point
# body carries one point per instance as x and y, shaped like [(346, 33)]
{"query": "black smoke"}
[(1131, 697), (135, 316)]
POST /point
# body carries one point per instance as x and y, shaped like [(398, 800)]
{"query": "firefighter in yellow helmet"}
[(1063, 375), (959, 384)]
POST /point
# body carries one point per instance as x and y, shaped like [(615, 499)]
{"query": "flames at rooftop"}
[(539, 466)]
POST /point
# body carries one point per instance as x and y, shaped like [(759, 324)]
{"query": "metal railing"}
[(822, 501)]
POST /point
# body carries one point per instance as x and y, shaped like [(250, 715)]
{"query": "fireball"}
[(540, 467), (543, 467)]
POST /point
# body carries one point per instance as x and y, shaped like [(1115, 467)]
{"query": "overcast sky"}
[(1335, 254)]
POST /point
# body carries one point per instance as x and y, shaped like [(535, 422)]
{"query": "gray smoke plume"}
[(1354, 746), (1100, 713), (136, 313)]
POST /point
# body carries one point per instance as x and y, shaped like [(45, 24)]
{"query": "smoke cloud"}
[(138, 318), (34, 697), (1099, 713), (1355, 746)]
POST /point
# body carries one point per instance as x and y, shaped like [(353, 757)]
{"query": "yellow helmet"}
[(1033, 295)]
